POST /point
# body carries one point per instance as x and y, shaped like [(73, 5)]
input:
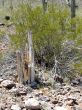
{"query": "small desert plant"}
[(49, 30)]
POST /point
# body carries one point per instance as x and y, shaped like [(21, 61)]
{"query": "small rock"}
[(18, 91), (15, 91), (29, 96), (71, 98), (75, 82), (55, 101), (47, 106), (64, 92), (60, 108), (70, 103), (38, 93), (32, 103), (15, 107), (44, 98), (7, 84)]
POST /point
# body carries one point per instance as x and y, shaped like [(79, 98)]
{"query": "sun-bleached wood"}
[(19, 67), (31, 72), (25, 62), (26, 59)]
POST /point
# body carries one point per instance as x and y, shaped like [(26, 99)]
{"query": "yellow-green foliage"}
[(78, 67), (47, 28)]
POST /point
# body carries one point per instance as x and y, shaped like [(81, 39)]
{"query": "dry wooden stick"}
[(19, 67), (31, 73)]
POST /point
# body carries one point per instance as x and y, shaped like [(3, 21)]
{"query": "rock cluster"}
[(14, 96)]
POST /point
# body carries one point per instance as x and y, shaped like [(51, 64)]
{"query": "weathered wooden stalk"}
[(26, 63), (19, 66), (31, 72)]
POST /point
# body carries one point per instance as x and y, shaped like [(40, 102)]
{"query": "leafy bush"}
[(48, 29)]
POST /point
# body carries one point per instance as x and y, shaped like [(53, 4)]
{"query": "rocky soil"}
[(15, 96)]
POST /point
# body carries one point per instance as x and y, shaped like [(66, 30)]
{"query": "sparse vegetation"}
[(40, 55), (50, 30)]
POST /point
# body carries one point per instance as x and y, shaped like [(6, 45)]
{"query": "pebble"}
[(15, 107), (32, 103)]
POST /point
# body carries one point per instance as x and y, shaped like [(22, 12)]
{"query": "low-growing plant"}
[(49, 30)]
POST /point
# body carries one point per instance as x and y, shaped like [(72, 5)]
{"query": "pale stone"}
[(70, 103), (8, 84), (15, 107), (32, 103), (60, 108)]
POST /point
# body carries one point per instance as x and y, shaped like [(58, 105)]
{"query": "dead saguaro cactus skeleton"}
[(25, 63), (31, 72), (26, 59), (19, 66)]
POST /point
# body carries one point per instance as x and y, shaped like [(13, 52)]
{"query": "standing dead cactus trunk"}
[(31, 72), (26, 59), (19, 66), (25, 63)]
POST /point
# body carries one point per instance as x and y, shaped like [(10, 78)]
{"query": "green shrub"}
[(48, 29)]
